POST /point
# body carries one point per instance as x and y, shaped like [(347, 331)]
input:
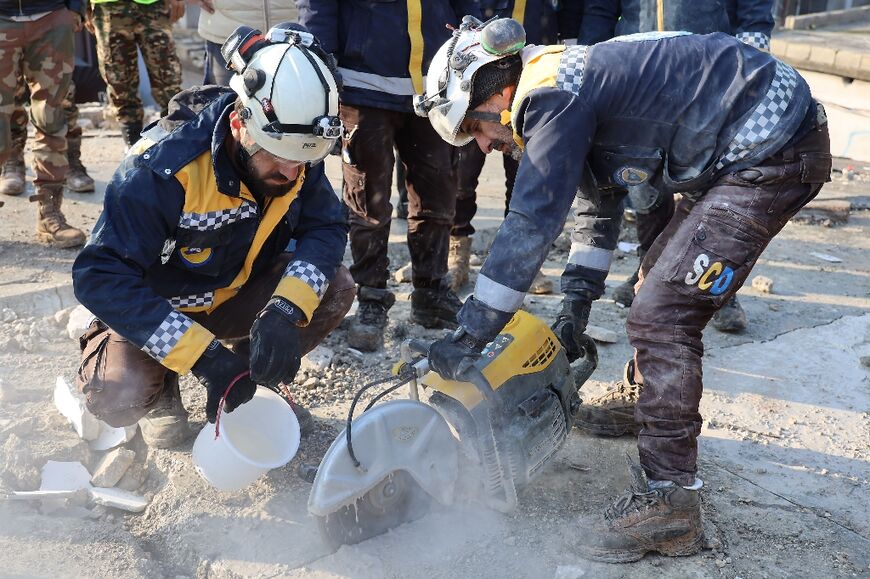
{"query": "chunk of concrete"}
[(600, 334), (119, 499), (71, 403), (317, 360), (79, 320), (763, 284), (64, 476), (112, 467), (403, 274)]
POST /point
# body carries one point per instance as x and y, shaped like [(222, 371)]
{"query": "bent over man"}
[(192, 244), (734, 129)]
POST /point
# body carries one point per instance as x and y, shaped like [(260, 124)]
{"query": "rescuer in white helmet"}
[(192, 244)]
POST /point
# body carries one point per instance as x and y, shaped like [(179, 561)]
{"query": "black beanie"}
[(491, 78)]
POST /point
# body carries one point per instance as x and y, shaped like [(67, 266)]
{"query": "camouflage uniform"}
[(43, 49), (77, 178), (121, 26)]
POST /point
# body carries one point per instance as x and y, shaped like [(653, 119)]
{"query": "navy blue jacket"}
[(545, 21), (382, 54), (672, 111), (182, 232), (746, 19)]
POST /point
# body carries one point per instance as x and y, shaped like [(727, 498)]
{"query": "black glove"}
[(215, 369), (450, 356), (570, 325), (275, 352)]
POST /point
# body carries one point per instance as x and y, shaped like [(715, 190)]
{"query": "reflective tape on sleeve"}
[(497, 296)]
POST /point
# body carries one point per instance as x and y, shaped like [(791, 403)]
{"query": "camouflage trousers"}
[(43, 51), (18, 121), (121, 28)]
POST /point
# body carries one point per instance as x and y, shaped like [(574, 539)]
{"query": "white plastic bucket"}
[(257, 436)]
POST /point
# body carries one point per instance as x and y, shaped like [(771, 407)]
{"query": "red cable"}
[(220, 409)]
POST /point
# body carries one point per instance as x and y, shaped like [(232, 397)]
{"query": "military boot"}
[(458, 261), (730, 317), (51, 225), (612, 413), (77, 178), (12, 179), (131, 133), (435, 307), (165, 425), (366, 331), (541, 285), (652, 516)]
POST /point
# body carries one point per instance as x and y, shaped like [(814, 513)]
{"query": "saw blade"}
[(396, 500)]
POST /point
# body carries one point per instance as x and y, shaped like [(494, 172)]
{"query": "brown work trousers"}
[(367, 163), (122, 383), (700, 260)]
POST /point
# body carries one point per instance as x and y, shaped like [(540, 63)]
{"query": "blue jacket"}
[(545, 21), (748, 20), (28, 7), (182, 232), (707, 106), (383, 47)]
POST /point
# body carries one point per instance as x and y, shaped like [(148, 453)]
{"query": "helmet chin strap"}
[(502, 118)]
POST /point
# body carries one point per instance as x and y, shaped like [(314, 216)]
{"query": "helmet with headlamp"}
[(288, 87), (450, 81)]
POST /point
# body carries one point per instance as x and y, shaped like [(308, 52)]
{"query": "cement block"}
[(797, 53), (112, 467), (847, 61), (823, 57)]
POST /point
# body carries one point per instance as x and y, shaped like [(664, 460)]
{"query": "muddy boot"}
[(51, 225), (165, 425), (12, 178), (624, 293), (458, 261), (612, 413), (131, 133), (435, 307), (541, 285), (730, 317), (366, 332), (660, 517), (77, 178)]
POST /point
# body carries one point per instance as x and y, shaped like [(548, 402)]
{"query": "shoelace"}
[(631, 500), (370, 314)]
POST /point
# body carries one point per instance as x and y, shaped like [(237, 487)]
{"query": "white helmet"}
[(289, 92), (451, 73)]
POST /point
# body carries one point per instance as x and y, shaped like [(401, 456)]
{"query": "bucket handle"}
[(220, 409), (284, 393)]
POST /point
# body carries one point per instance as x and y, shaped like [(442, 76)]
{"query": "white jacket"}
[(229, 14)]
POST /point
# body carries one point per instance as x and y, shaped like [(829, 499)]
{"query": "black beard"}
[(257, 187)]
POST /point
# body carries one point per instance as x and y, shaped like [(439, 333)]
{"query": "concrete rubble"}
[(112, 467)]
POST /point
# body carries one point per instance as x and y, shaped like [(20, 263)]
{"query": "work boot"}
[(624, 293), (366, 331), (165, 425), (541, 285), (435, 307), (612, 413), (12, 178), (660, 517), (51, 225), (458, 261), (131, 133), (303, 416), (730, 317), (77, 178)]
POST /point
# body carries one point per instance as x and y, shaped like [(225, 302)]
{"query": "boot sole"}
[(12, 193), (48, 239), (85, 189), (433, 324), (679, 547)]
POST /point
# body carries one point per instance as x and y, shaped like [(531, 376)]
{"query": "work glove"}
[(275, 351), (570, 325), (216, 369), (451, 356)]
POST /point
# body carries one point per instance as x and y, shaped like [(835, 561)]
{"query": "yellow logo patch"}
[(195, 256)]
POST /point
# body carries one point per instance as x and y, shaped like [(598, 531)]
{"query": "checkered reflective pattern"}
[(763, 120), (167, 335), (309, 274), (215, 219), (759, 40), (192, 301), (569, 77)]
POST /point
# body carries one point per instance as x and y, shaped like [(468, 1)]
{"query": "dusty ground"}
[(784, 451)]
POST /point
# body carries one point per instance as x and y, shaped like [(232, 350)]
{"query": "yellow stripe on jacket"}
[(539, 71), (415, 32)]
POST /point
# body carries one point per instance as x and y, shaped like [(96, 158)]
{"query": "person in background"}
[(37, 41)]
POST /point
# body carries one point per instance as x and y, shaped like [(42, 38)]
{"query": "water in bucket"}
[(257, 436)]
